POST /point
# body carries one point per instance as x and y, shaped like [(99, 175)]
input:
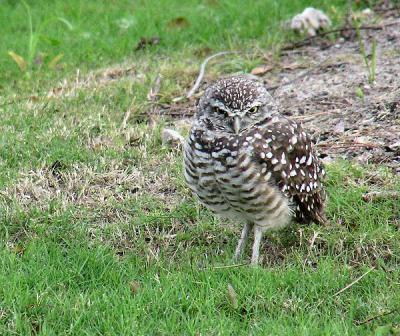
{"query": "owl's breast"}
[(229, 180)]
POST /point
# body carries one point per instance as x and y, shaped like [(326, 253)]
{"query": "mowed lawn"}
[(99, 234)]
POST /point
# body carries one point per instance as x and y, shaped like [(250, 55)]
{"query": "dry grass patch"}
[(78, 185), (95, 80)]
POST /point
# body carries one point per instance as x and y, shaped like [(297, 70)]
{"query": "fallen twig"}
[(228, 266), (155, 89), (202, 70), (369, 319), (383, 10), (312, 242), (354, 282), (232, 297), (153, 93), (127, 114), (348, 145), (305, 41), (379, 195)]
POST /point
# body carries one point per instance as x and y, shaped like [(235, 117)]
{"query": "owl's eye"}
[(219, 110), (254, 109)]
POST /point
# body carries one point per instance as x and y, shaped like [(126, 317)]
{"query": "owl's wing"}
[(288, 153)]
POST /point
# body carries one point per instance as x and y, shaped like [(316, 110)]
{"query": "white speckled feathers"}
[(288, 153), (244, 160)]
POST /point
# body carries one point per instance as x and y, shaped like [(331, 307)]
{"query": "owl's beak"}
[(236, 124)]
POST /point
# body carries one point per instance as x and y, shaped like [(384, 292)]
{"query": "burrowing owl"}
[(246, 161)]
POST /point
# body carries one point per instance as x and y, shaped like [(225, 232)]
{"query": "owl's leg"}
[(242, 241), (258, 232)]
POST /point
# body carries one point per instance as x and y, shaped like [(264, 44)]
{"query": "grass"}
[(369, 64), (98, 232)]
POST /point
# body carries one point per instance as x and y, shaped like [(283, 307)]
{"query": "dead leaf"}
[(178, 22), (53, 63), (363, 140), (339, 127), (134, 286), (395, 146), (380, 195), (261, 70), (155, 89), (22, 64), (39, 59), (293, 66), (172, 138), (202, 52), (55, 91), (101, 142), (115, 73), (147, 41), (19, 250), (232, 297)]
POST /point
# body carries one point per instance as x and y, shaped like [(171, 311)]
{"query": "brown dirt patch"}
[(349, 117), (324, 85)]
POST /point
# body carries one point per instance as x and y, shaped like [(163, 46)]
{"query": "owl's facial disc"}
[(235, 104), (232, 118), (235, 119)]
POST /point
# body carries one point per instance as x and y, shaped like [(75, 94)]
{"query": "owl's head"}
[(234, 104)]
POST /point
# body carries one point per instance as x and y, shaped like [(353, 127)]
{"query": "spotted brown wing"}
[(287, 152)]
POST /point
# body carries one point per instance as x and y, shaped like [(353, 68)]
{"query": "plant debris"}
[(310, 21), (144, 42), (349, 117), (178, 22)]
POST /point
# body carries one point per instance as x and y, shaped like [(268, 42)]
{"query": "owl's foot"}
[(258, 232), (242, 241)]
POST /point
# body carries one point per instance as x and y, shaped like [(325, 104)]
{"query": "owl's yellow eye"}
[(254, 109)]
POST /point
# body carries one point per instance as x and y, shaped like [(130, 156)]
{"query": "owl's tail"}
[(320, 218), (311, 209)]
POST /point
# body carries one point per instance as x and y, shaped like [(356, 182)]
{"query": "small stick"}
[(202, 70), (383, 10), (354, 282), (340, 30), (314, 237), (369, 319), (229, 266), (312, 241), (127, 115), (347, 145), (154, 90), (152, 95), (377, 195), (311, 115)]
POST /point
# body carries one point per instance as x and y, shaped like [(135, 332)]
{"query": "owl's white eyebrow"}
[(257, 104), (215, 103)]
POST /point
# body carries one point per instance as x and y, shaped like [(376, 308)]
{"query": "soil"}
[(324, 83), (349, 115)]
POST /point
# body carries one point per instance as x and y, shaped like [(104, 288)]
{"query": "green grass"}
[(91, 35), (99, 234)]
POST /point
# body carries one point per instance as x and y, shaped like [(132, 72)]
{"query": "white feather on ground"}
[(310, 21)]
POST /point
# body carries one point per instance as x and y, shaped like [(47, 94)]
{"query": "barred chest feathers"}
[(226, 175), (244, 160)]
